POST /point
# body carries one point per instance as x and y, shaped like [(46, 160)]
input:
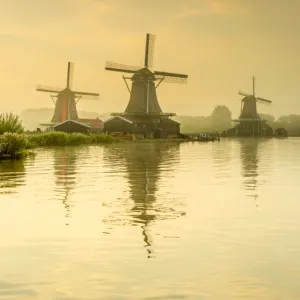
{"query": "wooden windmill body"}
[(143, 114), (65, 111), (249, 123)]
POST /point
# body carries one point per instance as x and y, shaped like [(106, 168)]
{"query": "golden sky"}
[(220, 44)]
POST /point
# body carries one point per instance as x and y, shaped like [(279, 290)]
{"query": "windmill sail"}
[(143, 98), (70, 75), (150, 40)]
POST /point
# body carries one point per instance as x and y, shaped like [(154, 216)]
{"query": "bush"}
[(13, 145), (102, 138), (78, 139), (48, 139), (64, 139), (10, 123)]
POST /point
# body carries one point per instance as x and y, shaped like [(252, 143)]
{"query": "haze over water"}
[(152, 221)]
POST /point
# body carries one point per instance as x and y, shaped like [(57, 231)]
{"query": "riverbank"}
[(64, 139), (16, 146)]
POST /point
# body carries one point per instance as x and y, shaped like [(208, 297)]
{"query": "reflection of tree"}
[(65, 171), (249, 160), (12, 175), (222, 155), (146, 163)]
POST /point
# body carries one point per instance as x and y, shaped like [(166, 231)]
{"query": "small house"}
[(71, 126), (146, 126)]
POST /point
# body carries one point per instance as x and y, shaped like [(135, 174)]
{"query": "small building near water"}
[(96, 125), (71, 126), (281, 132), (144, 126)]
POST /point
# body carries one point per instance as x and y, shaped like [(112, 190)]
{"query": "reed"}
[(65, 139), (10, 122), (13, 145)]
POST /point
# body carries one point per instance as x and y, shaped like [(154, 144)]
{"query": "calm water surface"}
[(153, 221)]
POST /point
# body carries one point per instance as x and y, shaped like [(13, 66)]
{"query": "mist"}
[(219, 44)]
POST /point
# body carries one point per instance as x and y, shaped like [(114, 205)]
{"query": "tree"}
[(270, 119), (221, 118), (290, 122), (10, 122)]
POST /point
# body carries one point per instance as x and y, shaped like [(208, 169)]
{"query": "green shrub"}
[(64, 139), (78, 139), (10, 123), (12, 144), (102, 138), (48, 139)]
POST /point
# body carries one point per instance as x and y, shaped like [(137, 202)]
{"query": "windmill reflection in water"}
[(145, 165)]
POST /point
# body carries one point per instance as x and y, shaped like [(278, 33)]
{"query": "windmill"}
[(145, 81), (66, 99), (249, 122), (248, 104)]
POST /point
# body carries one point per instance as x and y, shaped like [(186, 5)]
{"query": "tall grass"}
[(10, 122), (64, 139), (13, 145)]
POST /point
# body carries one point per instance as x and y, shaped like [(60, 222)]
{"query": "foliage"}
[(13, 145), (190, 124), (102, 138), (271, 120), (221, 118), (64, 139), (10, 123)]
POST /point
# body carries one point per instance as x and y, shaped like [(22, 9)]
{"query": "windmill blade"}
[(85, 95), (70, 75), (263, 100), (112, 66), (150, 40), (244, 94), (48, 89), (167, 74), (169, 79)]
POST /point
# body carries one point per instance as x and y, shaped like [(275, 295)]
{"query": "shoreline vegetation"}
[(20, 145)]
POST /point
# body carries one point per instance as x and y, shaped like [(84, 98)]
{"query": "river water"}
[(205, 221)]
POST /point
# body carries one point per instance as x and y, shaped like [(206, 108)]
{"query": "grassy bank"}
[(65, 139), (14, 146)]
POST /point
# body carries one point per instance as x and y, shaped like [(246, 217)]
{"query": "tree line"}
[(221, 119)]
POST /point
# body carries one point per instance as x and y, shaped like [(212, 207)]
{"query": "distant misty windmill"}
[(249, 122), (248, 104), (65, 104), (143, 98)]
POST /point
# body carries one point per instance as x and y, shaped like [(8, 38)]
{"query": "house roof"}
[(94, 123), (120, 117), (71, 121), (131, 119)]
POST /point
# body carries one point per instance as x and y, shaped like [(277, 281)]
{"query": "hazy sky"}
[(220, 44)]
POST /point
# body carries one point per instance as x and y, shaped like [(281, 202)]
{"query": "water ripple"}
[(144, 220)]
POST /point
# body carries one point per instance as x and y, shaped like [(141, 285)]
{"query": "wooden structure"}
[(66, 99), (143, 126), (96, 125), (71, 126), (281, 132), (143, 114), (249, 122)]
